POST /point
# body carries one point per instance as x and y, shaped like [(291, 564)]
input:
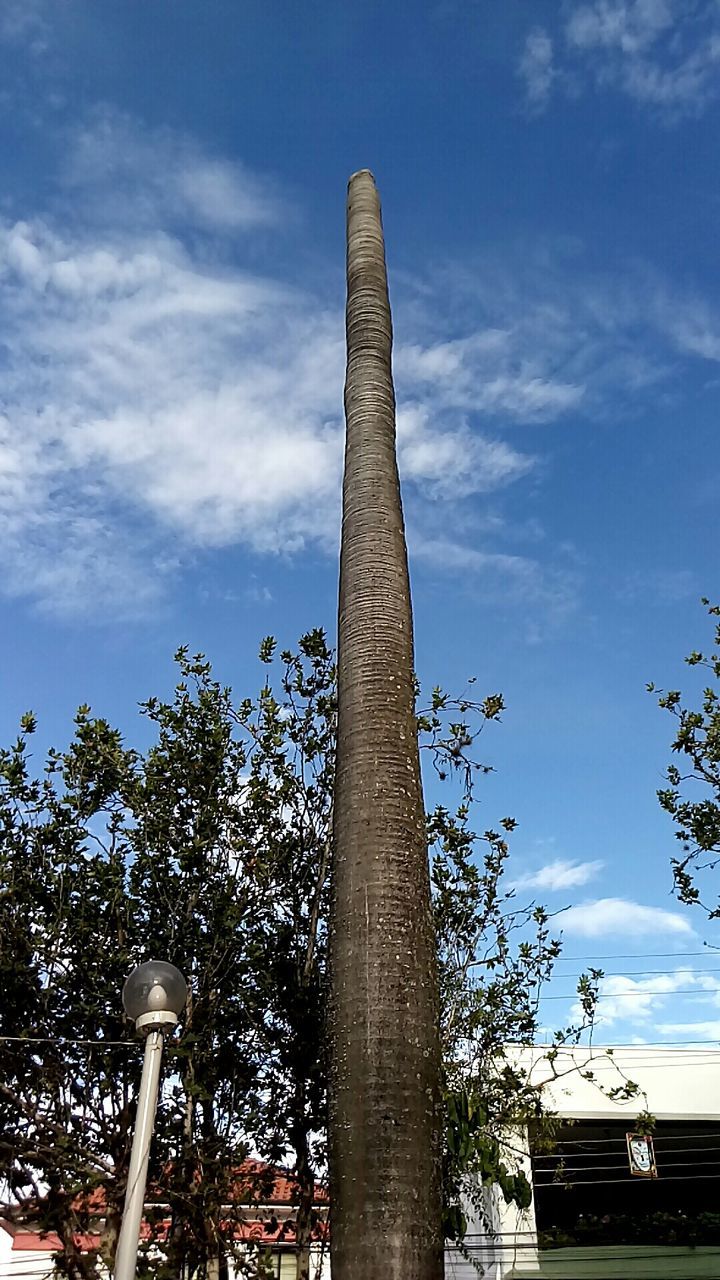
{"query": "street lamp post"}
[(153, 996)]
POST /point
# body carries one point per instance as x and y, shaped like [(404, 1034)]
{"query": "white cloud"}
[(456, 462), (623, 998), (661, 53), (159, 400), (550, 592), (691, 1030), (561, 873), (684, 88), (660, 586), (635, 999), (536, 68), (206, 399), (487, 372), (692, 324), (620, 916), (160, 175), (453, 556), (138, 379), (628, 25), (567, 340), (23, 22), (548, 339)]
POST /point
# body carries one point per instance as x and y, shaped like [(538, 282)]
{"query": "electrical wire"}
[(636, 973), (665, 1160), (645, 955), (649, 1053), (611, 1168), (616, 1044), (664, 1251), (492, 1244), (554, 1259), (597, 1050), (607, 1182), (605, 1143), (625, 1065), (95, 1044), (623, 995), (494, 1236)]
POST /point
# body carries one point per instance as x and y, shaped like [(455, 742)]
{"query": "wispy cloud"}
[(536, 68), (24, 22), (137, 379), (567, 340), (545, 338), (660, 586), (549, 592), (561, 873), (623, 998), (691, 323), (632, 26), (162, 178), (709, 1030), (159, 399), (663, 54), (456, 462), (492, 370), (619, 915)]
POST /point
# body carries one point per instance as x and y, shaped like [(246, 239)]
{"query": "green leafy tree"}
[(692, 794), (203, 850), (211, 848)]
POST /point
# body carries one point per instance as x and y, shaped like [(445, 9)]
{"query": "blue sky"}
[(171, 288)]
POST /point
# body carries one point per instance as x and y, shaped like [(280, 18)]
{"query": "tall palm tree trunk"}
[(385, 1180)]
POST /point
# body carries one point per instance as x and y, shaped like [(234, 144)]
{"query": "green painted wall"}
[(640, 1262)]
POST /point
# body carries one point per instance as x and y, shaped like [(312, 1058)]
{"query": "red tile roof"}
[(267, 1233), (31, 1240), (257, 1184), (278, 1233), (260, 1183)]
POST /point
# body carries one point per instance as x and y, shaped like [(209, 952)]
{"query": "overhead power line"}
[(624, 995), (608, 1168), (662, 1138), (599, 1049), (597, 1251), (642, 955), (705, 1061), (667, 1156), (606, 1182), (597, 1052), (520, 1242), (94, 1044), (603, 1152), (636, 973)]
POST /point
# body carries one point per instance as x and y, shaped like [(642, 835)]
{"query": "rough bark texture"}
[(384, 1111)]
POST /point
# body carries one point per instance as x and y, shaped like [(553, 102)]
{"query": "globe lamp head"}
[(154, 994)]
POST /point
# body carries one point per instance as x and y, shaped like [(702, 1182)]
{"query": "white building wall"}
[(320, 1262), (506, 1238), (26, 1264), (5, 1247), (319, 1265), (675, 1083), (668, 1089)]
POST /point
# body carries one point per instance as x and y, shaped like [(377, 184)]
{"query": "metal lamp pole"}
[(153, 996)]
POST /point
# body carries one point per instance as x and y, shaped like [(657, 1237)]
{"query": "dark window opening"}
[(585, 1193)]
